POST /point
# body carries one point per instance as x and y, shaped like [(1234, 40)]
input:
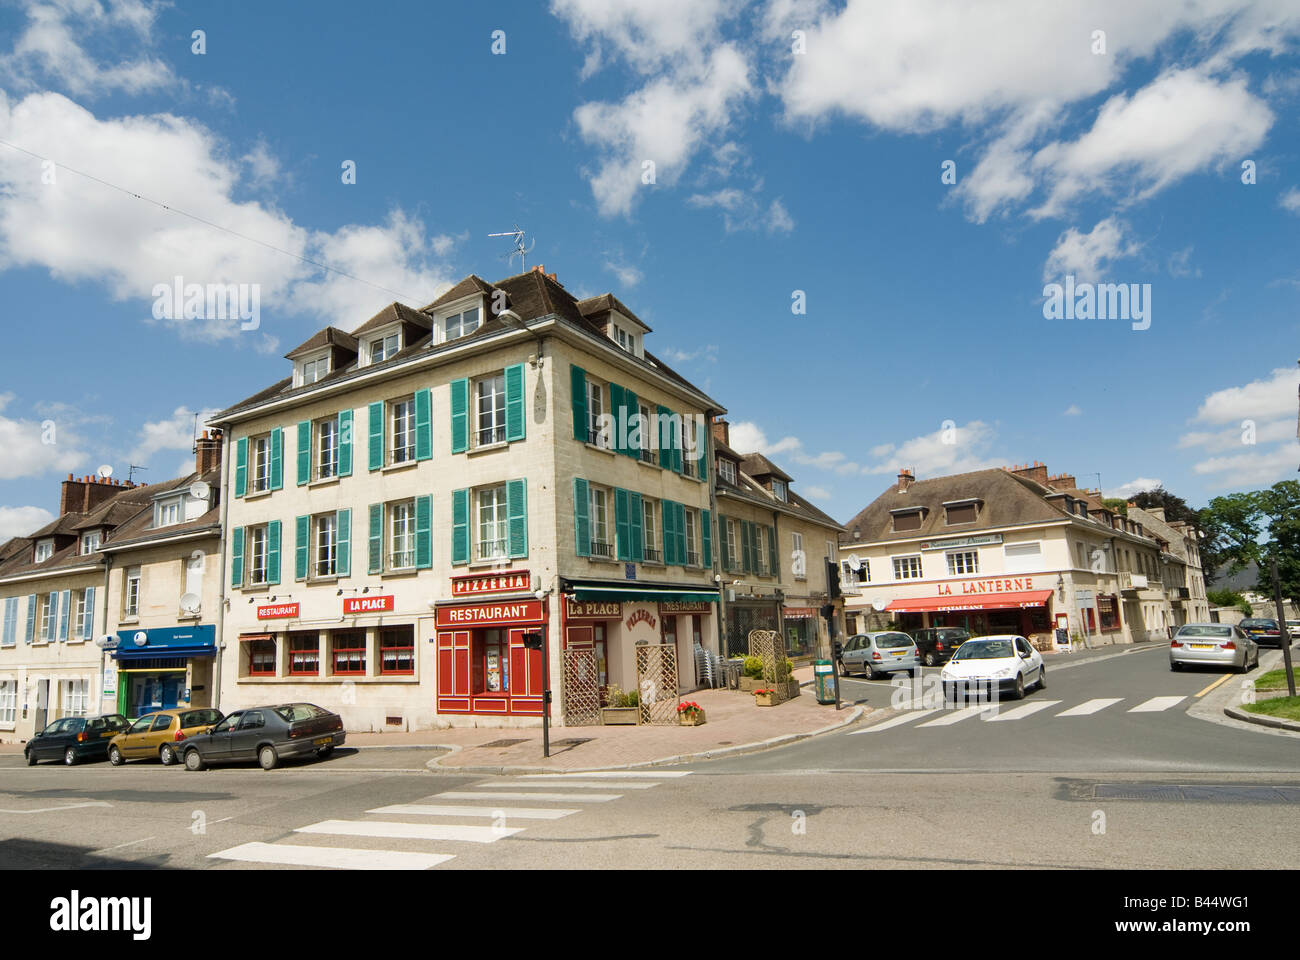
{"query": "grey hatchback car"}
[(267, 735), (879, 654)]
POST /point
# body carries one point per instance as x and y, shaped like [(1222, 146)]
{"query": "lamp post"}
[(536, 640)]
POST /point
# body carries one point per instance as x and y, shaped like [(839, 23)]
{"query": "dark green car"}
[(73, 739)]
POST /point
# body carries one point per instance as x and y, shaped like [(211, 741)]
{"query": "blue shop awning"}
[(196, 641)]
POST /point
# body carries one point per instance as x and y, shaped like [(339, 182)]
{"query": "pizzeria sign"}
[(508, 581)]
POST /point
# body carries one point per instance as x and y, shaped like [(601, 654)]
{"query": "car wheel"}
[(1019, 692), (930, 660), (167, 754), (1042, 678), (115, 756), (31, 757), (1175, 666), (324, 752), (267, 758), (70, 756), (193, 760)]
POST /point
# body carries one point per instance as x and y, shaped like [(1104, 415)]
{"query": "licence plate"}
[(1201, 646), (323, 741), (900, 653)]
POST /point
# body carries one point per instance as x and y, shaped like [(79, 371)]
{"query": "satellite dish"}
[(880, 605), (855, 562), (105, 470), (200, 490), (190, 602)]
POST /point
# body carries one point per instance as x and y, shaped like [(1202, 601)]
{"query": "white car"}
[(1007, 663)]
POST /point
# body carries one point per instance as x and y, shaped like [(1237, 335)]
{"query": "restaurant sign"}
[(490, 614), (951, 543), (277, 611), (593, 610), (1004, 585), (508, 581)]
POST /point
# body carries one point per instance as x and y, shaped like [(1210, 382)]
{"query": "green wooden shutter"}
[(345, 443), (377, 436), (681, 533), (515, 419), (424, 532), (517, 517), (302, 538), (670, 531), (637, 526), (273, 552), (706, 535), (241, 466), (622, 525), (423, 425), (343, 543), (277, 458), (304, 452), (678, 444), (582, 517), (237, 557), (460, 526), (634, 438), (773, 566), (665, 437), (459, 415), (703, 449), (618, 411), (376, 541), (578, 386)]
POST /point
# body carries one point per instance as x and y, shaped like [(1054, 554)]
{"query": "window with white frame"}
[(131, 595), (727, 470), (493, 524), (624, 337), (650, 531), (44, 550), (85, 618), (44, 622), (692, 539), (90, 541), (761, 550), (490, 410), (313, 370), (907, 568), (325, 544), (74, 697), (401, 421), (963, 562), (595, 409), (779, 491), (258, 552), (690, 441), (850, 576), (381, 348), (259, 455), (798, 567), (1026, 557), (8, 701), (600, 545), (401, 535), (460, 324), (327, 448), (169, 511), (733, 545)]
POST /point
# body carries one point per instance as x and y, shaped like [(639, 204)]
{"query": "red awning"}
[(971, 601)]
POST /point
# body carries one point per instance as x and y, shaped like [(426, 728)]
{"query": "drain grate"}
[(572, 742), (1199, 792), (504, 743)]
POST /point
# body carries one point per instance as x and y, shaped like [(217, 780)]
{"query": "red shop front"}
[(483, 665)]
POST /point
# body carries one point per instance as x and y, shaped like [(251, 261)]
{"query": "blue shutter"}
[(377, 436), (582, 517), (517, 517), (52, 621), (376, 564), (304, 452), (345, 443), (10, 636), (622, 525), (423, 532), (637, 526), (665, 439), (515, 419), (706, 534), (702, 444), (31, 617), (423, 425), (459, 415), (88, 624), (459, 527), (241, 466), (237, 557), (302, 538), (277, 458), (65, 614), (343, 543), (273, 552), (578, 387)]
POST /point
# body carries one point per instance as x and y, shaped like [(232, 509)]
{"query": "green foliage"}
[(1175, 507), (617, 697), (753, 667), (1261, 526), (1229, 598), (1118, 504)]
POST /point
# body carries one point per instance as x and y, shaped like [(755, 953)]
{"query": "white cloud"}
[(628, 275), (264, 169), (174, 433), (1138, 485), (1256, 468), (1257, 420), (22, 521), (708, 353), (1290, 200), (1087, 255), (1259, 399), (741, 210), (748, 437), (1236, 437), (648, 33), (778, 218), (940, 453), (816, 493), (34, 447), (1073, 410)]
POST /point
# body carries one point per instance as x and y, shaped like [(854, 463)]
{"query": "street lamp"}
[(536, 640)]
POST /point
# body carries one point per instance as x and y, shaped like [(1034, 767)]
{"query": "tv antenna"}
[(130, 473), (522, 248)]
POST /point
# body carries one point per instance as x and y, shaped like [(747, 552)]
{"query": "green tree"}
[(1259, 526), (1118, 504), (1175, 507), (1230, 598)]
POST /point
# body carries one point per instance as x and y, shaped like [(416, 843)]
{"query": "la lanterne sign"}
[(1004, 585), (507, 581)]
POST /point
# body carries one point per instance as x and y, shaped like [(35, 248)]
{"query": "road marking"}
[(895, 721), (607, 775), (1214, 684), (557, 797), (1022, 711), (95, 853), (1156, 704), (449, 810), (965, 713), (579, 784), (1089, 707), (410, 831), (340, 858), (71, 806)]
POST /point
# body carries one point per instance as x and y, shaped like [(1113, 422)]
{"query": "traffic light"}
[(833, 579), (837, 648), (828, 611), (533, 641)]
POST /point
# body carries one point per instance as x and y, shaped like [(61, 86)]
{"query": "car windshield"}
[(894, 640), (300, 711), (200, 718), (950, 634), (1205, 630), (1259, 624), (984, 650)]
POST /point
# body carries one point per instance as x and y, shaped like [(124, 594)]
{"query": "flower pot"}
[(691, 719), (764, 699), (614, 716), (750, 684), (791, 688)]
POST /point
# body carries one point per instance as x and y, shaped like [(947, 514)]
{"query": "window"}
[(490, 406), (259, 453), (692, 552), (304, 654), (799, 567), (460, 324), (313, 370), (780, 491), (963, 563), (90, 542), (727, 470), (48, 616), (690, 441), (401, 533), (168, 512), (324, 563), (908, 520), (8, 701), (600, 546), (595, 410), (131, 601), (259, 655), (650, 534), (327, 448), (961, 512), (1108, 610), (397, 650), (44, 550), (257, 555), (402, 429), (907, 568), (349, 652), (493, 528), (85, 617), (850, 576), (761, 551), (1022, 557), (74, 697), (381, 348)]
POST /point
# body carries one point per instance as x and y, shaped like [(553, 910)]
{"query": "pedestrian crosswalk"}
[(929, 716), (435, 820)]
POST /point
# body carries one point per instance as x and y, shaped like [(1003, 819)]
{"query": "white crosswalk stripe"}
[(547, 797), (338, 858), (895, 721), (609, 775), (1089, 707), (1022, 711), (410, 831), (1156, 704), (568, 784), (491, 812), (956, 716)]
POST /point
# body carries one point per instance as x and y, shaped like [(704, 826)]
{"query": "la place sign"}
[(367, 604)]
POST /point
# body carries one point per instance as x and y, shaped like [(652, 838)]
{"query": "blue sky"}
[(775, 172)]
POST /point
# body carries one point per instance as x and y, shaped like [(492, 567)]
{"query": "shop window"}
[(348, 653), (304, 654), (491, 660), (397, 650), (259, 657), (1109, 613)]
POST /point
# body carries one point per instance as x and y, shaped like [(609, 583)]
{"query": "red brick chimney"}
[(84, 495), (905, 479), (207, 451), (1063, 481), (722, 431), (1036, 472)]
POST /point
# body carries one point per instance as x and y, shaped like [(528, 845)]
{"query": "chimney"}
[(207, 452), (1063, 481), (1036, 472), (722, 431), (905, 479), (84, 495)]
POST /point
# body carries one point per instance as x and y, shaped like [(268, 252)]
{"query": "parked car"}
[(1005, 663), (879, 654), (74, 739), (267, 735), (158, 734), (1293, 628), (1215, 644), (1263, 631), (937, 644)]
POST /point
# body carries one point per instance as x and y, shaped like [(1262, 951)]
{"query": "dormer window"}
[(44, 550), (169, 511), (310, 371), (909, 518), (90, 541), (780, 491), (961, 511), (727, 470), (381, 348), (460, 324)]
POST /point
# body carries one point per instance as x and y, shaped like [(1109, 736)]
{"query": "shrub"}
[(753, 667)]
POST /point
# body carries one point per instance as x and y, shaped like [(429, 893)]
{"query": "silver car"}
[(1212, 645), (880, 654)]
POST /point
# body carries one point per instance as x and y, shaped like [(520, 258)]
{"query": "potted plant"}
[(791, 684), (753, 675), (621, 708), (765, 697), (690, 714)]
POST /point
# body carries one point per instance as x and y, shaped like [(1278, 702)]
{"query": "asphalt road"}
[(1129, 779)]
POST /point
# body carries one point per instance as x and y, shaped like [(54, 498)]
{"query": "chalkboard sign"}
[(1063, 637)]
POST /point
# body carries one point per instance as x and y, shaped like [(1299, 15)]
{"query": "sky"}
[(844, 221)]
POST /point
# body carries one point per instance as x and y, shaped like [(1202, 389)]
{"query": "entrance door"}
[(42, 703), (172, 687)]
